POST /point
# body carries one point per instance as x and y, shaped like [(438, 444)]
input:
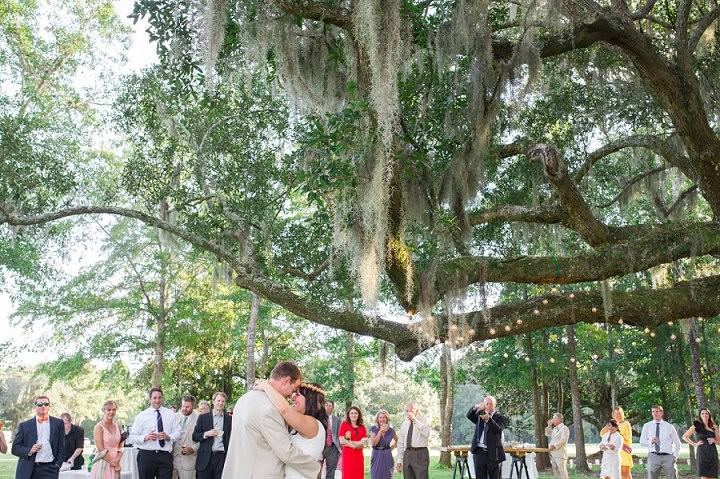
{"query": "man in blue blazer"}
[(39, 444), (486, 447), (212, 431)]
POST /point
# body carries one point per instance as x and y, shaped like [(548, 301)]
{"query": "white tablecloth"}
[(507, 465), (128, 463)]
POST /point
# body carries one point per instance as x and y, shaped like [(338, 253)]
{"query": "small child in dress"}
[(610, 445)]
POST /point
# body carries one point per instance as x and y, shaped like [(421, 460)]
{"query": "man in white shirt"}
[(413, 457), (185, 449), (559, 435), (152, 433), (663, 443)]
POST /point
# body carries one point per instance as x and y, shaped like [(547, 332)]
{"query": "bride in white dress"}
[(306, 419)]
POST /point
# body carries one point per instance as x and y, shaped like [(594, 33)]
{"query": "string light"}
[(620, 321), (492, 331), (652, 335), (700, 318), (471, 332), (545, 301), (552, 360), (505, 355), (670, 323), (554, 290), (594, 309), (519, 321), (507, 327), (673, 337), (536, 311), (572, 360), (697, 340), (647, 330), (572, 295)]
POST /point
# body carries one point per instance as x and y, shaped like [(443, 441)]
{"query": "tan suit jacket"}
[(260, 443), (559, 436), (186, 462)]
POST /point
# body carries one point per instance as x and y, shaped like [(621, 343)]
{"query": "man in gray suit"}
[(333, 449)]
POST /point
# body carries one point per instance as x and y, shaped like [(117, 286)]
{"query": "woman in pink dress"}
[(108, 438)]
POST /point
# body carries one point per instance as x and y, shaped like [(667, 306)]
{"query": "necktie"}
[(657, 435), (184, 422), (328, 439), (409, 436), (160, 427)]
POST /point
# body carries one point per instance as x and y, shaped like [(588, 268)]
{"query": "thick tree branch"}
[(298, 273), (665, 245), (642, 308), (701, 27), (319, 11), (581, 219), (247, 278)]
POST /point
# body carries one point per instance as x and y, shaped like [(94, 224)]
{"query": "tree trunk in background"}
[(447, 396), (537, 401), (679, 360), (580, 456), (350, 367), (695, 365), (250, 349)]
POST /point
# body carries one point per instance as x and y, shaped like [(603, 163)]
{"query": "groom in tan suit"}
[(260, 445)]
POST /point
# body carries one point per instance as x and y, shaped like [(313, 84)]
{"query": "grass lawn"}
[(8, 461)]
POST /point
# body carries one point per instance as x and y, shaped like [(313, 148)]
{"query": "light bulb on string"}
[(552, 360), (519, 321), (572, 360), (492, 331), (545, 301), (652, 335), (698, 340), (620, 321), (572, 295), (507, 327), (670, 323), (673, 337), (505, 355), (647, 330), (536, 311), (594, 309)]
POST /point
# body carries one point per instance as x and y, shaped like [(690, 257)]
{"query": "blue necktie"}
[(657, 435), (160, 427)]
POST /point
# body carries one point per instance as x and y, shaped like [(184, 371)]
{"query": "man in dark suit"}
[(39, 444), (212, 431), (332, 450), (486, 447)]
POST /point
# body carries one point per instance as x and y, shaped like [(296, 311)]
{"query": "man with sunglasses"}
[(39, 444)]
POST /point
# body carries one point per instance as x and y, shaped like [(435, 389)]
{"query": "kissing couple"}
[(273, 440)]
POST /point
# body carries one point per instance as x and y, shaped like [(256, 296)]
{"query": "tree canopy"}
[(379, 165)]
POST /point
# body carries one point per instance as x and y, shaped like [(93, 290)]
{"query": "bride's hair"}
[(314, 402)]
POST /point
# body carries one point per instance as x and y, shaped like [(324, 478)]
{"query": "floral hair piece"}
[(313, 388)]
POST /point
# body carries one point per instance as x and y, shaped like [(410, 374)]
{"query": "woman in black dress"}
[(706, 435)]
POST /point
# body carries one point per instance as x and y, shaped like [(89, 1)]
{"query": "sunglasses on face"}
[(41, 404)]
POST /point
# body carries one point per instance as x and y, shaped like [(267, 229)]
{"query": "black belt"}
[(660, 453), (218, 452), (156, 451), (383, 448), (415, 448)]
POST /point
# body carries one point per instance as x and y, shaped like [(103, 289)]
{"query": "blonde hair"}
[(620, 411), (108, 403), (377, 416)]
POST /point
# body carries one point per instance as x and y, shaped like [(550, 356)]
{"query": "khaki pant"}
[(179, 472), (559, 467), (416, 463)]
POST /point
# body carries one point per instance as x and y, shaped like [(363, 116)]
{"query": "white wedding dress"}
[(312, 447)]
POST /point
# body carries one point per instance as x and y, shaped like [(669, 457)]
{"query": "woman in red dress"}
[(352, 435)]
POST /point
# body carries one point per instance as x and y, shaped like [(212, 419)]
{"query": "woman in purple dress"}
[(383, 439)]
